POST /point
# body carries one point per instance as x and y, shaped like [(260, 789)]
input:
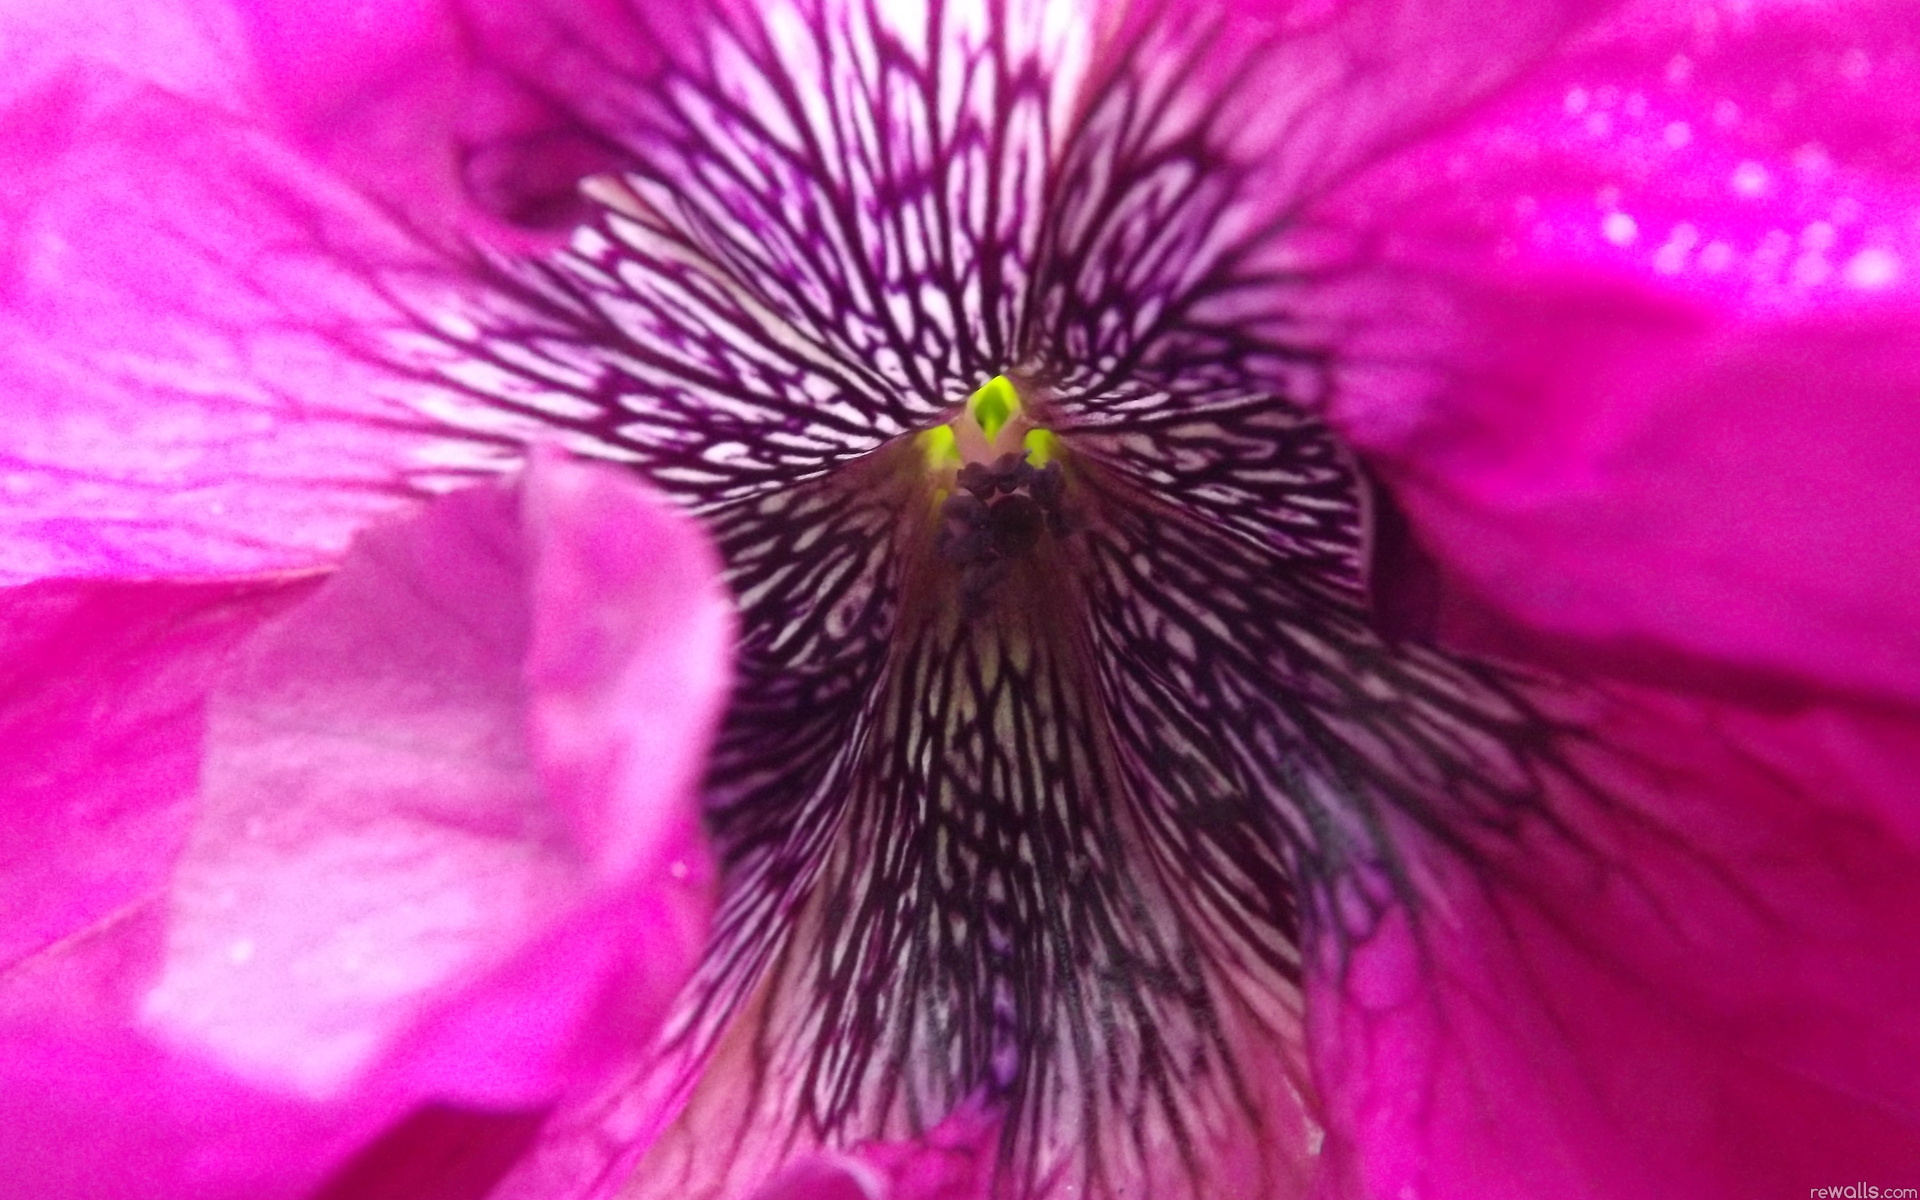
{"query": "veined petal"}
[(1186, 196), (901, 793), (186, 308), (1190, 720), (1188, 705), (821, 241), (364, 860), (1710, 1003)]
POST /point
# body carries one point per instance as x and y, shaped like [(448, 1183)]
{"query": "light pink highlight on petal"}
[(617, 684), (827, 1177), (190, 48)]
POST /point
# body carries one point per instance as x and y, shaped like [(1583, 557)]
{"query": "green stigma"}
[(994, 405)]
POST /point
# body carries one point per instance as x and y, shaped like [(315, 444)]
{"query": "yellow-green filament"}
[(940, 446), (1039, 444), (994, 405)]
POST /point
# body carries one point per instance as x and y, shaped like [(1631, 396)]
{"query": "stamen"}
[(940, 446), (1041, 446)]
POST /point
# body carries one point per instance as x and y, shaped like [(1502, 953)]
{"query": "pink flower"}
[(1326, 600)]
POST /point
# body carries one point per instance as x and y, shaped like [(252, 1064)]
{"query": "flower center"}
[(1060, 861), (998, 489)]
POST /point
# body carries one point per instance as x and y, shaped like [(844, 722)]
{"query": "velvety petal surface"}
[(1635, 349), (420, 832)]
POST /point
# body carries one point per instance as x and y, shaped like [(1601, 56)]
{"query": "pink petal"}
[(409, 876), (378, 832), (1715, 1003), (1635, 351), (189, 325), (1750, 508), (826, 1178)]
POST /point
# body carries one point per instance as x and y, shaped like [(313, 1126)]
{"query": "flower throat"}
[(999, 490)]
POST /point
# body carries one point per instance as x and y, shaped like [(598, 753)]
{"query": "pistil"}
[(996, 503)]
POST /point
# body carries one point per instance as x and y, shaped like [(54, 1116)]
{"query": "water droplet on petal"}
[(1749, 179), (1872, 269), (1620, 229)]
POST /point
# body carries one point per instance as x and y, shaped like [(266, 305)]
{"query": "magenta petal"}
[(1310, 93), (465, 116), (440, 839), (1716, 1003), (1640, 368), (102, 714), (188, 315), (102, 711), (1751, 507)]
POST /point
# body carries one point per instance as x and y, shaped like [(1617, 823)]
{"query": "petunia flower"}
[(1326, 591)]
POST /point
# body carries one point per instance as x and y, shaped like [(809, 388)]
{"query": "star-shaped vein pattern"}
[(1051, 850)]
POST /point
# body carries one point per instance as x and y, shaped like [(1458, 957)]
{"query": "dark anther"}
[(966, 533), (1011, 472), (1016, 522), (965, 508), (1048, 484), (996, 514), (1008, 473)]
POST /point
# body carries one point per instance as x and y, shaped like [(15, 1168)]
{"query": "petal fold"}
[(469, 117)]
